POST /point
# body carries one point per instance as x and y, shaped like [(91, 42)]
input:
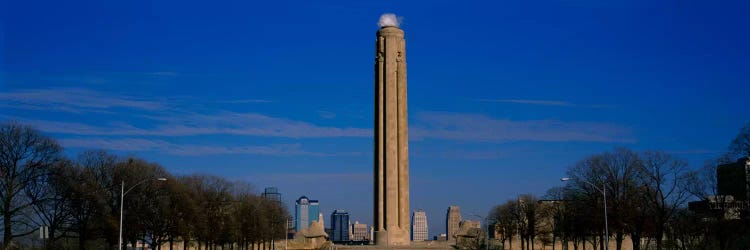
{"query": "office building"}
[(419, 226), (452, 222), (339, 226), (272, 193), (734, 179), (360, 232), (306, 211), (733, 192)]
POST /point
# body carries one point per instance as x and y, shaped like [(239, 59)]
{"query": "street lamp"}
[(487, 235), (122, 200), (603, 190)]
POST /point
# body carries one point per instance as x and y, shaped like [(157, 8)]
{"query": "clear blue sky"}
[(503, 95)]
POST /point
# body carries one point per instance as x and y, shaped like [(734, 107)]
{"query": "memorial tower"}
[(391, 206)]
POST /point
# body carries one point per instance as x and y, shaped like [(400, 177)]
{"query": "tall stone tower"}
[(391, 206), (452, 222)]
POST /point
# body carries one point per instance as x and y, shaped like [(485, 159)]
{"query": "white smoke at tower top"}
[(389, 19)]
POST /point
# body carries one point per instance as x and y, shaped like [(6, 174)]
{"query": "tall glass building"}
[(305, 211), (272, 193), (340, 226)]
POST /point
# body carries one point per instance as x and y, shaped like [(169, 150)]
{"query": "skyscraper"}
[(305, 211), (452, 222), (391, 176), (272, 193), (339, 226), (419, 226)]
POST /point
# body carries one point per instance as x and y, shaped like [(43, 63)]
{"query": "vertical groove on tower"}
[(398, 136), (378, 140), (403, 137)]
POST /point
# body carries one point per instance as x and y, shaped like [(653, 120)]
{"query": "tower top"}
[(390, 31)]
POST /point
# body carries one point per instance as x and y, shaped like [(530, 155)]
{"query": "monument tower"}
[(391, 206)]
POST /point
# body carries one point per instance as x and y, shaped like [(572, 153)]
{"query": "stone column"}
[(391, 208)]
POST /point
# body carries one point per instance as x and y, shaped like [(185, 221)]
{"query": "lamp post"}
[(603, 190), (122, 200), (487, 235)]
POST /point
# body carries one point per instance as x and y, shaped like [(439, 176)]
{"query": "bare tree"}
[(25, 158), (688, 228), (92, 191), (588, 178), (180, 208), (81, 200), (740, 146), (52, 199), (145, 219), (640, 215), (276, 215), (555, 213), (213, 200), (101, 176), (615, 173), (528, 219), (505, 216), (665, 180)]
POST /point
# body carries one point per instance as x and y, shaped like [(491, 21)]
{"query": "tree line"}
[(647, 196), (78, 200)]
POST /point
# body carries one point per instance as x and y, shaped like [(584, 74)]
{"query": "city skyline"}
[(502, 95)]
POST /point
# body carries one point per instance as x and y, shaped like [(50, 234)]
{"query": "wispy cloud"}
[(314, 177), (243, 101), (55, 108), (166, 118), (70, 128), (138, 145), (426, 125), (476, 127), (74, 100), (531, 102), (326, 114), (250, 124), (162, 73), (225, 123), (462, 154), (80, 100), (695, 152), (542, 102), (172, 120)]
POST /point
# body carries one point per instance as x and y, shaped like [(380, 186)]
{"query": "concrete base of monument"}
[(392, 237)]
